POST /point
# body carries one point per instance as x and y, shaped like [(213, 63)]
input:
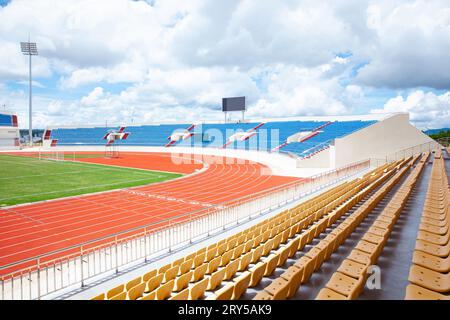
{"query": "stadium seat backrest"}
[(164, 291), (133, 283), (136, 292), (115, 291)]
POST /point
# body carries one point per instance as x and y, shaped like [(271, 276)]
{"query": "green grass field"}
[(24, 179)]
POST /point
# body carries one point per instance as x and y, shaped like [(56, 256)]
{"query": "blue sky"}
[(175, 60)]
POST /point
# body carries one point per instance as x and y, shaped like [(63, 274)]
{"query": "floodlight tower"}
[(29, 49)]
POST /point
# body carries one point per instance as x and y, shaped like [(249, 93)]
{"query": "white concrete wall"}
[(379, 140), (320, 160), (7, 138)]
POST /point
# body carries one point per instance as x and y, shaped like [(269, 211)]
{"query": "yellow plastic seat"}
[(245, 261), (293, 247), (186, 266), (136, 292), (224, 293), (302, 241), (198, 260), (293, 276), (316, 255), (352, 269), (302, 263), (271, 265), (248, 246), (221, 249), (263, 295), (345, 285), (231, 269), (372, 238), (257, 254), (150, 296), (434, 229), (431, 262), (241, 239), (120, 296), (257, 241), (216, 279), (267, 247), (414, 292), (372, 249), (154, 283), (101, 296), (164, 291), (164, 268), (182, 281), (331, 246), (200, 251), (433, 238), (433, 249), (213, 265), (231, 244), (199, 272), (238, 251), (328, 294), (115, 291), (198, 290), (226, 258), (182, 295), (178, 262), (278, 289), (360, 257), (257, 273), (241, 284), (149, 275), (171, 273), (283, 254), (435, 281), (285, 235), (434, 222)]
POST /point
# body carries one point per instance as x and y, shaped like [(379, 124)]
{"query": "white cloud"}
[(296, 91), (412, 44), (427, 110), (175, 59), (93, 97)]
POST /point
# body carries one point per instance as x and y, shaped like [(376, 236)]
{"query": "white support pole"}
[(30, 130)]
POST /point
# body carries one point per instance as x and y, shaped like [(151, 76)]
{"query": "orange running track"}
[(30, 230)]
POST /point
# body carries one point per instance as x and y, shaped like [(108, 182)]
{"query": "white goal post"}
[(51, 155)]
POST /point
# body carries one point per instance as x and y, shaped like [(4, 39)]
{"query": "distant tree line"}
[(440, 135), (36, 132)]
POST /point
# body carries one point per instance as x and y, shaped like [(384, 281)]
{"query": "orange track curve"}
[(30, 230)]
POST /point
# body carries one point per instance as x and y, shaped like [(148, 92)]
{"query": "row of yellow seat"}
[(349, 279), (206, 269), (429, 273), (300, 272), (300, 236)]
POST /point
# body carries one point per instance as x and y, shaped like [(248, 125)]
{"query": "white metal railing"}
[(78, 265), (405, 153)]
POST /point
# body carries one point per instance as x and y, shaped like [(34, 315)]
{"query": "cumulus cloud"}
[(412, 44), (427, 110), (175, 60), (293, 91)]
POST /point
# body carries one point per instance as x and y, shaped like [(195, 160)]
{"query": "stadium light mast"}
[(29, 49)]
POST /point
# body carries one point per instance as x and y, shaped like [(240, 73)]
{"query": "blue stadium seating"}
[(268, 136), (6, 120)]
